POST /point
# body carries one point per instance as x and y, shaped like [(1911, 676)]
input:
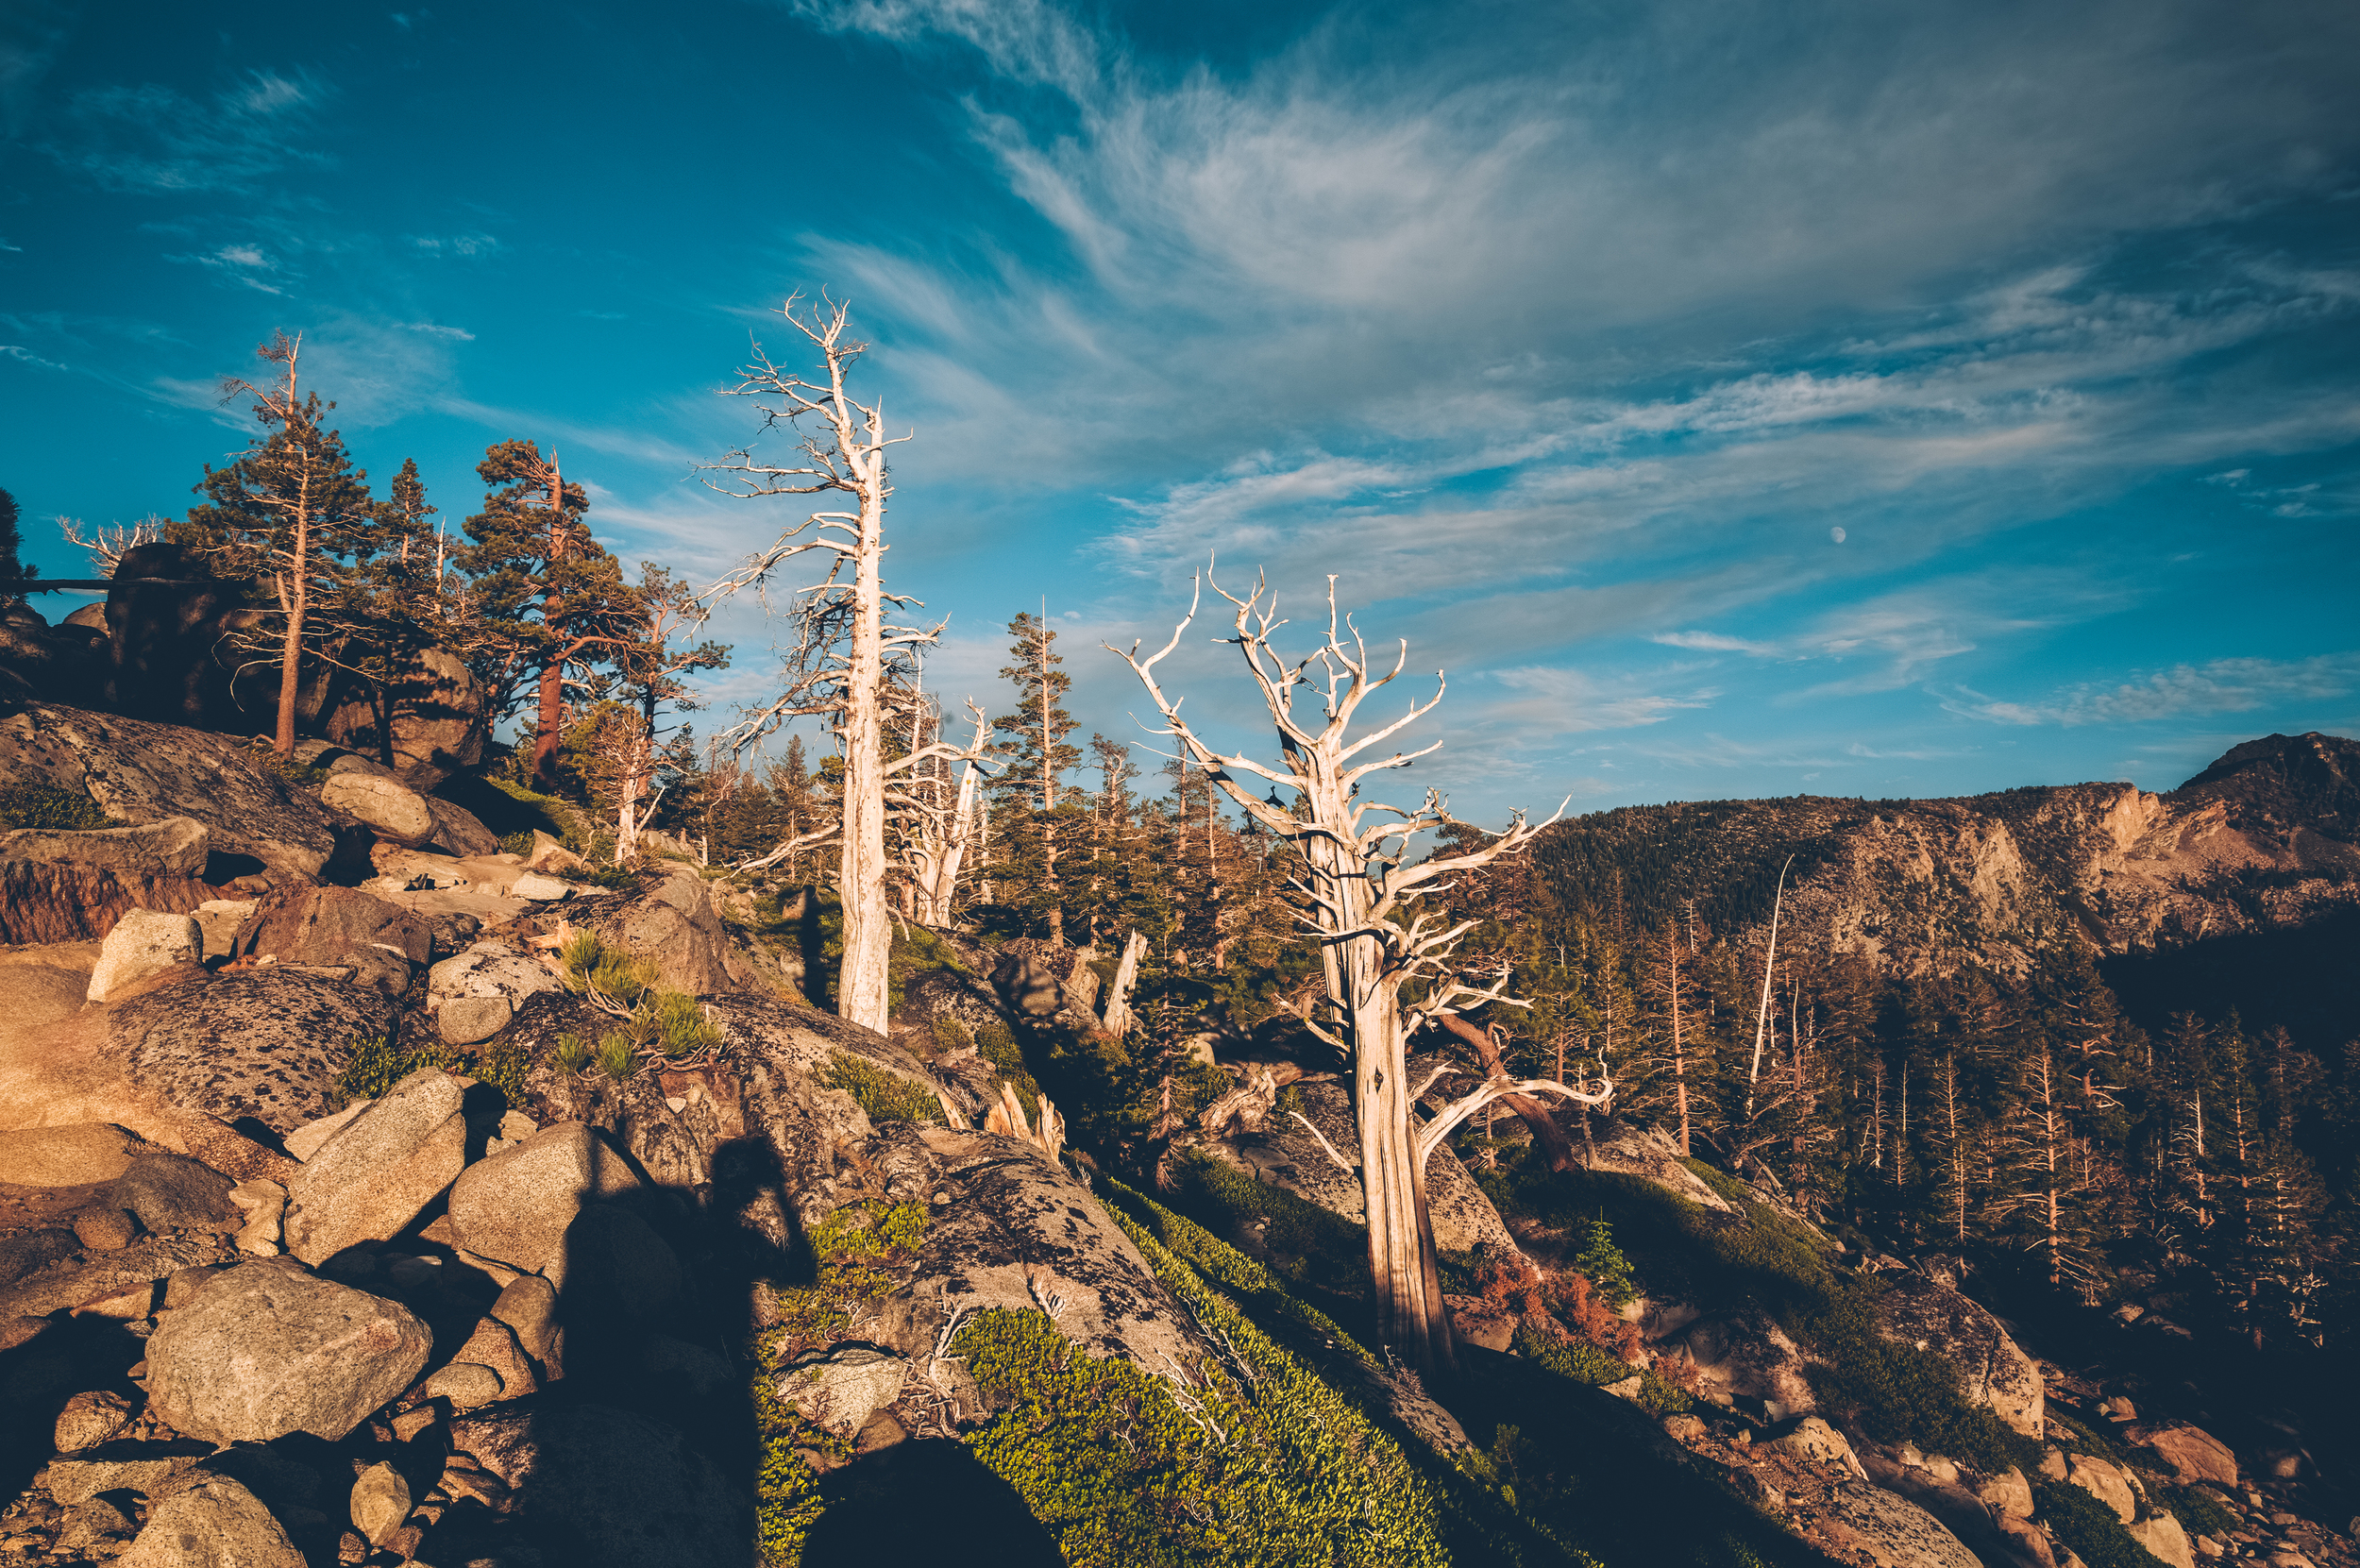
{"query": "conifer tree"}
[(12, 569), (291, 515), (1037, 755), (545, 597)]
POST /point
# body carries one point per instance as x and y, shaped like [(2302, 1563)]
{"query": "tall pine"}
[(1038, 755)]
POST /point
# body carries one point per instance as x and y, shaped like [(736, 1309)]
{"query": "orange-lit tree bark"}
[(1360, 898)]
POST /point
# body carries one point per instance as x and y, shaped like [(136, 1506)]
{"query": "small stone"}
[(96, 1529), (215, 1523), (408, 1423), (143, 944), (1628, 1389), (123, 1303), (515, 1206), (539, 888), (88, 1420), (465, 1385), (380, 1503), (465, 1019), (1684, 1428), (841, 1390), (104, 1230), (352, 1549), (529, 1307)]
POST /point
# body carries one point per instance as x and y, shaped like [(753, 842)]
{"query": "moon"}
[(1836, 534)]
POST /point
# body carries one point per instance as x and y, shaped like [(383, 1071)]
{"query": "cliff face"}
[(2263, 840)]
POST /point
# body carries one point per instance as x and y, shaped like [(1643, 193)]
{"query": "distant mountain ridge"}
[(2266, 839)]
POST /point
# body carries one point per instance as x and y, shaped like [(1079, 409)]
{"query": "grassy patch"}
[(24, 805), (1308, 1245), (1233, 1270), (886, 1095), (377, 1064), (2088, 1528), (266, 760)]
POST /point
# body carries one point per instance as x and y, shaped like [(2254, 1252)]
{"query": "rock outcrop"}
[(1919, 1310), (266, 1043), (139, 773)]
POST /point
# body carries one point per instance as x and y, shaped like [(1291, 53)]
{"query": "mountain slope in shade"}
[(2263, 840)]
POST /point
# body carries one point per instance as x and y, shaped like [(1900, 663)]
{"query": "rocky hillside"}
[(369, 1194), (2265, 841)]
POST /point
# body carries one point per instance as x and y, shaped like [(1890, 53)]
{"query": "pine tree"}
[(1039, 756), (545, 597), (292, 515), (12, 569), (1602, 1263)]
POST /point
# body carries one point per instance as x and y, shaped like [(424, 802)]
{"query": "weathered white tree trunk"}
[(1118, 1017), (1359, 897)]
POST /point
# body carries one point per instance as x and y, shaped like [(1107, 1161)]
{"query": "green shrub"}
[(266, 759), (1604, 1266), (573, 1052), (996, 1046), (619, 1053), (1579, 1361), (25, 805), (1308, 1245), (1223, 1264), (2089, 1529), (885, 1095), (377, 1064), (681, 1024), (951, 1034), (2197, 1514), (502, 1064)]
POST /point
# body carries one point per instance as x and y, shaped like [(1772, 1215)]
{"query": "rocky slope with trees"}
[(416, 1149)]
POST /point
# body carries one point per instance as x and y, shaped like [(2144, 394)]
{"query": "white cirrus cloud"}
[(2183, 691)]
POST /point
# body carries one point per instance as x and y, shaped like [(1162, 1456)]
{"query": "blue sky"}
[(1737, 400)]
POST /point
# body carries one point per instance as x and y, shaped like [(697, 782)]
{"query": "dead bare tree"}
[(935, 834), (1356, 893), (107, 543), (845, 649)]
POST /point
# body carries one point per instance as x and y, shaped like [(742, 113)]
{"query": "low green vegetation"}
[(2089, 1529), (659, 1022), (884, 1094), (1577, 1360), (377, 1064), (1679, 1249), (267, 760), (1602, 1263), (26, 805), (1309, 1246), (857, 1255)]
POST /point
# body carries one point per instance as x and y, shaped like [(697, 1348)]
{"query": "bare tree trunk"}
[(1118, 1017), (548, 717), (1549, 1137), (1680, 1056), (299, 603), (868, 923)]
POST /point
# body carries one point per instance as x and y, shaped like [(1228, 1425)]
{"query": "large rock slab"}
[(1649, 1153), (1745, 1354), (341, 927), (168, 846), (266, 1043), (386, 804), (214, 1523), (1917, 1310), (269, 1348), (142, 945), (600, 1488), (515, 1208), (438, 724), (2193, 1454), (380, 1170), (141, 772)]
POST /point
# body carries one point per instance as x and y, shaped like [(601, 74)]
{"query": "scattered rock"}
[(144, 1468), (437, 724), (182, 1287), (2009, 1495), (2193, 1454), (613, 1261), (464, 1021), (677, 922), (105, 1228), (215, 1523), (386, 803), (220, 920), (465, 1386), (1817, 1440), (266, 1043), (515, 1207), (488, 971), (838, 1390), (374, 1177), (380, 1503), (72, 1155), (540, 890), (496, 1346), (701, 1371), (141, 946), (265, 1203), (96, 1529), (529, 1307), (1649, 1153), (91, 1419), (1744, 1353), (1882, 1529), (270, 1349), (342, 927), (1478, 1320)]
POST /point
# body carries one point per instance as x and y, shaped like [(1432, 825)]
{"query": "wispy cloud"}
[(2184, 691), (152, 137)]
